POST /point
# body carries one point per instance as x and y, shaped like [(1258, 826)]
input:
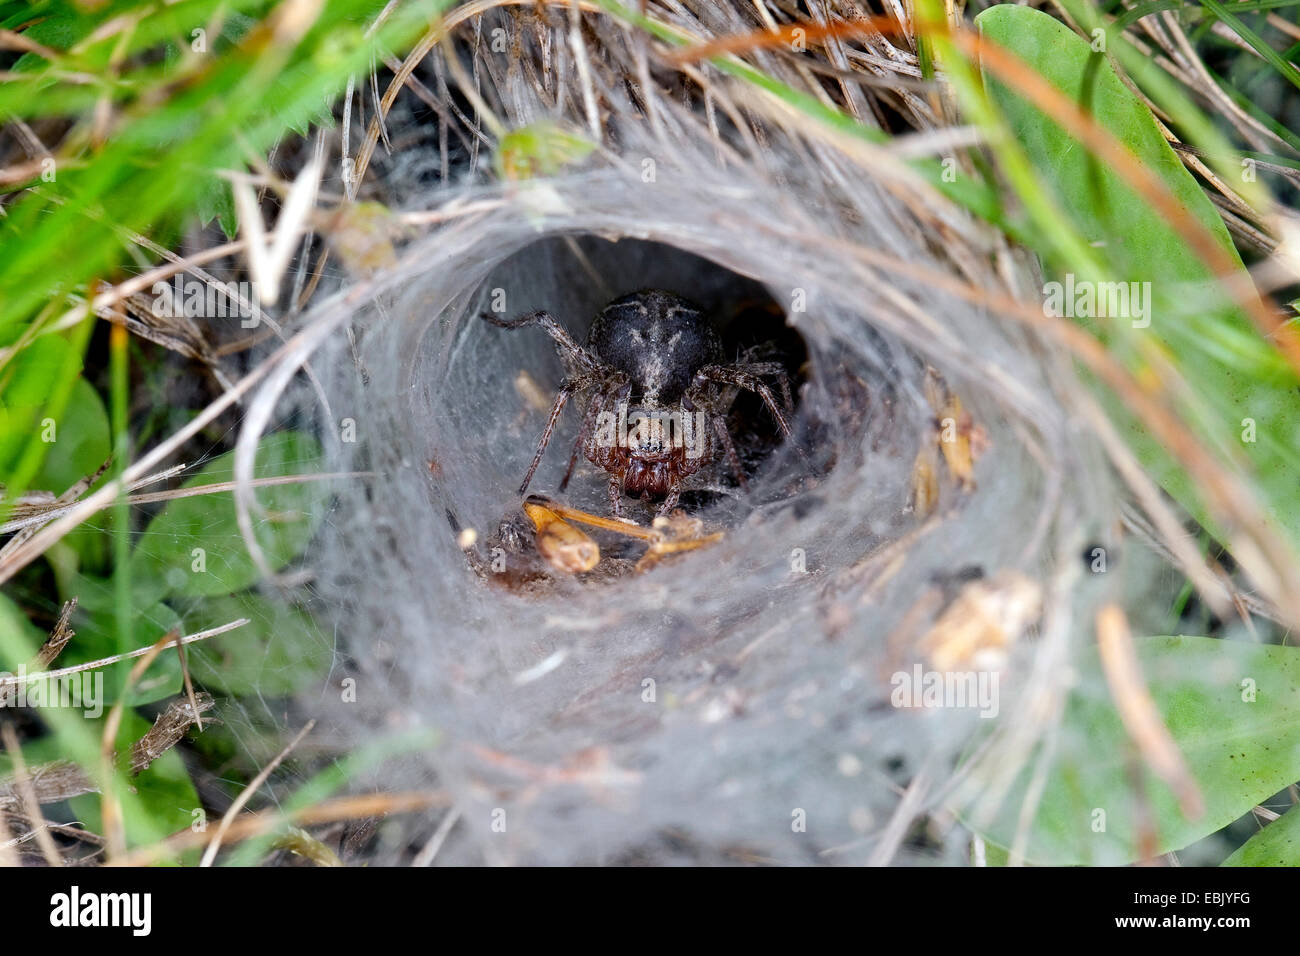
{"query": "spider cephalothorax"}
[(657, 394)]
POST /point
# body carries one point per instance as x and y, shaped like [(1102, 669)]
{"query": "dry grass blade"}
[(51, 649), (10, 564), (62, 780), (41, 514), (302, 843), (268, 261), (228, 819), (1139, 713), (114, 827), (191, 698), (267, 821), (168, 729), (129, 655), (32, 514), (9, 40), (908, 809), (8, 855), (50, 782), (220, 486), (429, 851), (32, 806), (1012, 70)]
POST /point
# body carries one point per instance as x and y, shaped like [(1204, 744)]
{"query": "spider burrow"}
[(655, 395)]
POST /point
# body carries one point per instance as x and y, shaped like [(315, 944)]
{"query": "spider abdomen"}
[(659, 340)]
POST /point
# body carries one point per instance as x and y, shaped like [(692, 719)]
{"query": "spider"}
[(656, 392)]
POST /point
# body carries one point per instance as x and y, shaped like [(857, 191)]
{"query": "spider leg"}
[(670, 500), (567, 389), (573, 456), (729, 448), (717, 488), (741, 377), (778, 372), (616, 495), (614, 390), (567, 345), (593, 410)]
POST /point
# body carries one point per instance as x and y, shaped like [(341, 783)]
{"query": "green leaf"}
[(167, 798), (1237, 377), (75, 737), (63, 237), (1104, 206), (194, 547), (97, 638), (280, 651), (81, 444), (1278, 844), (58, 31), (217, 201), (1257, 43), (24, 390), (994, 855), (1233, 709), (15, 623), (95, 624)]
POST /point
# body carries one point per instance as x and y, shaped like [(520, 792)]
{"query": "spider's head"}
[(651, 433)]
